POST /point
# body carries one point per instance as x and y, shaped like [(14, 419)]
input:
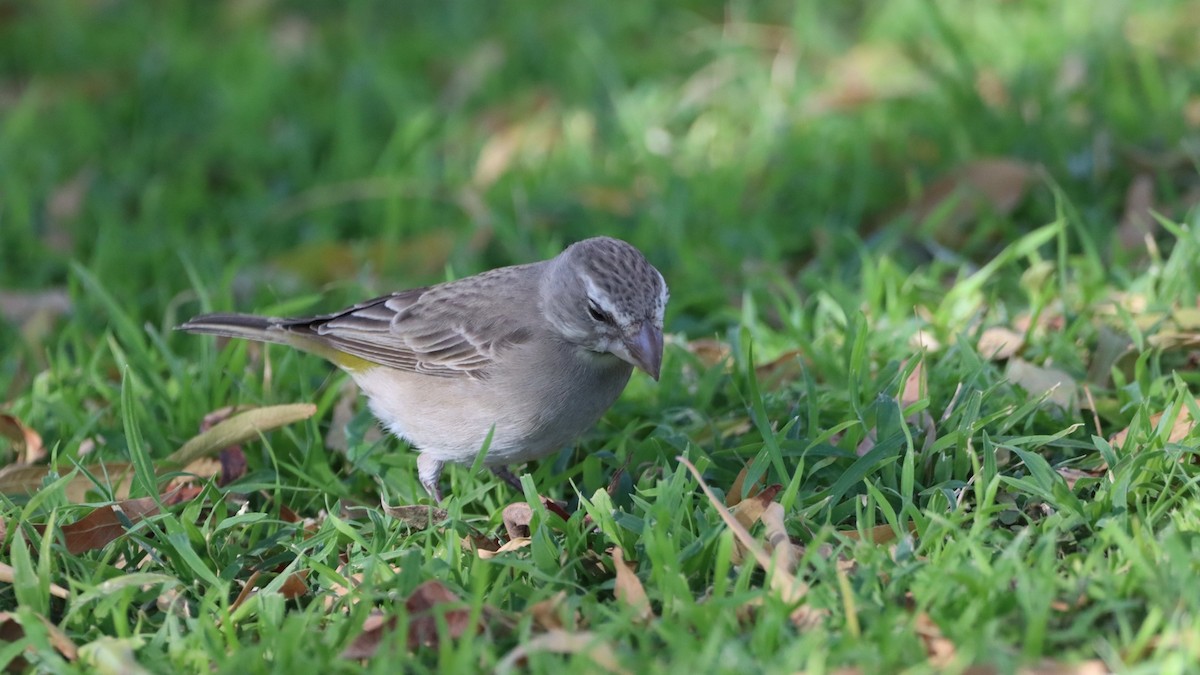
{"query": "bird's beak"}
[(645, 348)]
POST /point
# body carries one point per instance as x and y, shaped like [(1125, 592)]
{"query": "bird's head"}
[(603, 295)]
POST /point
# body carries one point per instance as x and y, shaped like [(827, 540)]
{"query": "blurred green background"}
[(297, 144), (818, 181)]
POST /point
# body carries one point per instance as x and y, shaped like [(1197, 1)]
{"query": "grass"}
[(790, 167)]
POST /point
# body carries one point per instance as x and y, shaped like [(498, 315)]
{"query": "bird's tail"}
[(247, 326), (268, 329)]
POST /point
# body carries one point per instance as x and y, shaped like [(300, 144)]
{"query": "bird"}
[(522, 358)]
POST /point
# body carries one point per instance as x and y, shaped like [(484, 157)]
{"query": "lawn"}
[(933, 353)]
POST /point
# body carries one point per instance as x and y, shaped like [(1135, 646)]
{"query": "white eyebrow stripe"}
[(663, 296), (599, 296)]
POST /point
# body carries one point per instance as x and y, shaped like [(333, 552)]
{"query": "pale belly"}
[(451, 419)]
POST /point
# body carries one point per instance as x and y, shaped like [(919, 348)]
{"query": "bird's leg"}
[(429, 470), (509, 477)]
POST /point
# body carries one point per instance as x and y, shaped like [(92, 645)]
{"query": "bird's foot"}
[(509, 477), (429, 471)]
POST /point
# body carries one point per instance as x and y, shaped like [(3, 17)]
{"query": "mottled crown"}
[(620, 279)]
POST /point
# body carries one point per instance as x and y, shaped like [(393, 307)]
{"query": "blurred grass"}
[(780, 162)]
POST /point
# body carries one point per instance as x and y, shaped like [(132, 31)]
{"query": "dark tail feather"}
[(247, 326)]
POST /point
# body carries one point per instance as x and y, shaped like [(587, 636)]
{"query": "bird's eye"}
[(596, 313)]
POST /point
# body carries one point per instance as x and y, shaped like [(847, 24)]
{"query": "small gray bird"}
[(531, 354)]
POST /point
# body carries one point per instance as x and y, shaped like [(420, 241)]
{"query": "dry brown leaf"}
[(999, 343), (599, 653), (735, 497), (915, 386), (366, 644), (1091, 667), (547, 614), (248, 589), (555, 508), (239, 428), (1179, 430), (103, 525), (295, 585), (173, 601), (790, 589), (8, 576), (422, 621), (785, 368), (709, 351), (747, 513), (938, 648), (11, 630), (416, 516), (629, 589), (878, 535), (1058, 386), (1137, 222), (512, 545), (117, 476), (865, 74), (996, 185), (26, 442), (517, 517), (1072, 475)]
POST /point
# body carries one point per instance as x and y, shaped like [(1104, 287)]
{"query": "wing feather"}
[(449, 330)]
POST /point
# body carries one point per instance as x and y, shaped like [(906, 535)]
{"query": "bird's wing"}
[(450, 330)]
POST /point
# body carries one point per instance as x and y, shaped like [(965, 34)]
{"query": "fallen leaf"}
[(790, 589), (11, 630), (878, 535), (1091, 667), (1057, 386), (512, 545), (555, 508), (117, 476), (599, 653), (1137, 222), (1073, 475), (629, 590), (239, 428), (104, 524), (866, 74), (416, 516), (1179, 430), (366, 643), (996, 185), (26, 442), (295, 585), (173, 601), (547, 614), (747, 513), (709, 351), (735, 497), (999, 343), (784, 368), (517, 518), (422, 622), (938, 648)]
